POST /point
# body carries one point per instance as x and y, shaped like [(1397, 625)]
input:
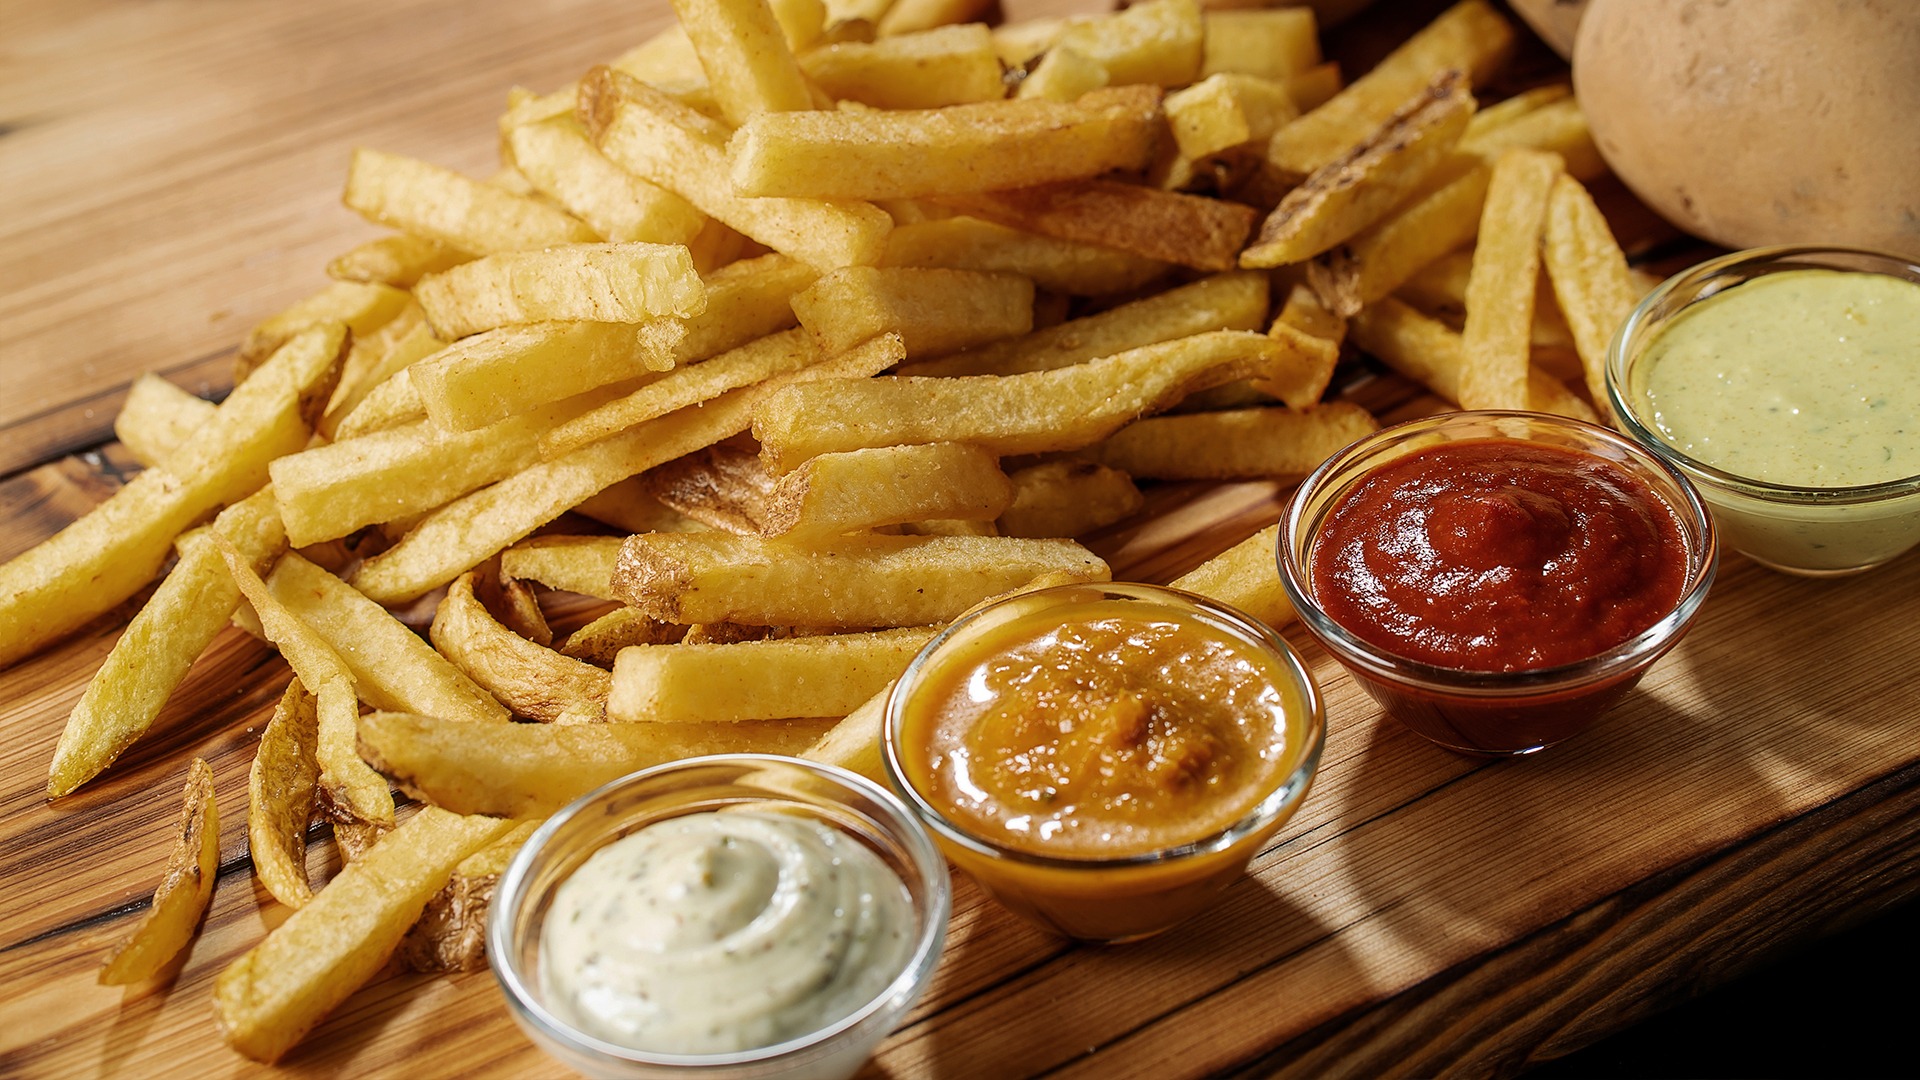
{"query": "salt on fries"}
[(839, 336)]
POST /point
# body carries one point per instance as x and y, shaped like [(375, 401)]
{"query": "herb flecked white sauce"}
[(1807, 378), (723, 931)]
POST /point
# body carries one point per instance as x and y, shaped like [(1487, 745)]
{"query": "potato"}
[(818, 675), (947, 65), (562, 163), (745, 56), (531, 679), (282, 785), (892, 485), (609, 283), (178, 903), (1066, 266), (443, 206), (933, 311), (1205, 234)]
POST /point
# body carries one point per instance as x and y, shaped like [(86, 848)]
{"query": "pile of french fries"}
[(784, 338)]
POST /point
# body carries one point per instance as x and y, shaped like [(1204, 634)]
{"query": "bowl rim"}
[(1653, 309), (1635, 653), (510, 895), (1270, 808)]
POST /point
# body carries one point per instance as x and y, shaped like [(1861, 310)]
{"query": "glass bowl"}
[(1130, 894), (1806, 530), (1478, 712), (849, 803)]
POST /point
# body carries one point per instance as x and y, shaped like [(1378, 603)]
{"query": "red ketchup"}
[(1500, 556)]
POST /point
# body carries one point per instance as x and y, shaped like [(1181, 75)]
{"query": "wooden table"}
[(170, 173)]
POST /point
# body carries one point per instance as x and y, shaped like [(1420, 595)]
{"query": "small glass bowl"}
[(1122, 898), (853, 804), (1813, 532), (1492, 713)]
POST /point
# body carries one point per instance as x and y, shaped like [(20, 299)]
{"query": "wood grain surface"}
[(172, 172)]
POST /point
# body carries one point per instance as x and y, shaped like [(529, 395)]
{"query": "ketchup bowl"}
[(1496, 580), (694, 955)]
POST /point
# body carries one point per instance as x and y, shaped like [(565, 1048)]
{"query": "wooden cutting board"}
[(171, 171)]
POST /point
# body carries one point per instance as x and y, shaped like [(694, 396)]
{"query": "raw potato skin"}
[(1789, 121)]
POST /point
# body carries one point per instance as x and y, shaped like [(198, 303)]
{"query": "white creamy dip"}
[(723, 931)]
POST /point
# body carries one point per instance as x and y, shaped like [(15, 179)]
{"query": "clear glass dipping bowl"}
[(1813, 532), (1492, 713), (1121, 898), (853, 804)]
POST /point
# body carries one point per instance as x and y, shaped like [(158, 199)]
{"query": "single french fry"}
[(725, 487), (675, 146), (399, 261), (160, 644), (533, 680), (178, 903), (818, 675), (908, 153), (362, 308), (1245, 576), (864, 581), (580, 564), (451, 933), (1360, 187), (1272, 43), (628, 506), (1186, 230), (1068, 498), (466, 532), (156, 417), (866, 489), (1469, 37), (1430, 353), (1226, 111), (531, 770), (1235, 444), (746, 57), (933, 311), (1031, 413), (913, 16), (390, 404), (1063, 74), (1440, 290), (1065, 266), (118, 547), (1019, 41), (438, 204), (947, 65), (563, 164), (1590, 278), (748, 365), (1230, 301), (392, 667), (601, 640), (281, 787), (1506, 272), (269, 999), (609, 283), (494, 375), (1156, 42)]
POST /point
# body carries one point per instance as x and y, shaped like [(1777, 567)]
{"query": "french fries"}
[(531, 679), (182, 896), (857, 490), (435, 204), (1205, 234), (281, 788), (1590, 278), (1234, 444), (609, 283), (817, 675), (1506, 270), (933, 311)]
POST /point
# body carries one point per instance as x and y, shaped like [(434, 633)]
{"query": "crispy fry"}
[(608, 283), (1155, 41), (1590, 278), (1205, 234), (908, 153), (362, 308), (947, 65), (160, 644), (398, 260), (1066, 266), (531, 770), (1360, 187), (281, 788), (1231, 301), (563, 164), (1272, 43), (119, 546), (627, 506), (183, 893), (451, 934), (849, 492), (1068, 498), (533, 680), (156, 417), (725, 487), (864, 581), (392, 667), (1063, 74), (1469, 37), (441, 205), (1037, 412), (581, 564), (1506, 272), (1245, 576), (933, 311), (601, 640), (745, 56), (672, 145), (1236, 444), (911, 16), (818, 675), (268, 1000), (1226, 111)]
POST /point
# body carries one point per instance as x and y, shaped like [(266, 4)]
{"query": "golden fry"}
[(281, 788), (182, 897)]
